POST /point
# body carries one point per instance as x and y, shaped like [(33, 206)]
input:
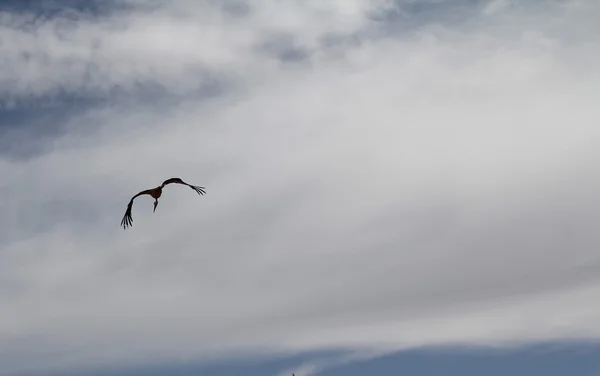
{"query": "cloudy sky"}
[(382, 176)]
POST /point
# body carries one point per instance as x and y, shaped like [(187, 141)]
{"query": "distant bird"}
[(155, 193)]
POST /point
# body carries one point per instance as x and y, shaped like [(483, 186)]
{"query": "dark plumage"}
[(155, 193)]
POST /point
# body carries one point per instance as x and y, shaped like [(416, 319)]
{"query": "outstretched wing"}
[(127, 218), (199, 190)]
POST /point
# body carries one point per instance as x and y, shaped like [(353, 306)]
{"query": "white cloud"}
[(494, 6), (437, 186), (315, 366), (170, 44)]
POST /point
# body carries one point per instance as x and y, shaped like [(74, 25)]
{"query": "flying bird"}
[(155, 193)]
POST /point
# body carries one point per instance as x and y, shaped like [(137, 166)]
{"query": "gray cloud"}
[(423, 187)]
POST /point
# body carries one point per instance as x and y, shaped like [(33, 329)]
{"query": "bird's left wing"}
[(127, 218)]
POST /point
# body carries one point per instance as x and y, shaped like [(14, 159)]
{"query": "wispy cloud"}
[(175, 45), (384, 190), (315, 366)]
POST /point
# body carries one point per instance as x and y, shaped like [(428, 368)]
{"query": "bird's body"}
[(155, 193)]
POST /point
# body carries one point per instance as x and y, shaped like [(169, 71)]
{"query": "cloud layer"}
[(379, 176)]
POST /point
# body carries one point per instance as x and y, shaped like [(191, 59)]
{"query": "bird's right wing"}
[(198, 189), (127, 218)]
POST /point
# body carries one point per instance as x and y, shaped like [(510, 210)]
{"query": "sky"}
[(393, 187)]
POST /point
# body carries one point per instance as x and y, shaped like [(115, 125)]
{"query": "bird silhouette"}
[(155, 193)]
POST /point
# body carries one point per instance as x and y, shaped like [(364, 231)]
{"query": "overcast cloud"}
[(380, 175)]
